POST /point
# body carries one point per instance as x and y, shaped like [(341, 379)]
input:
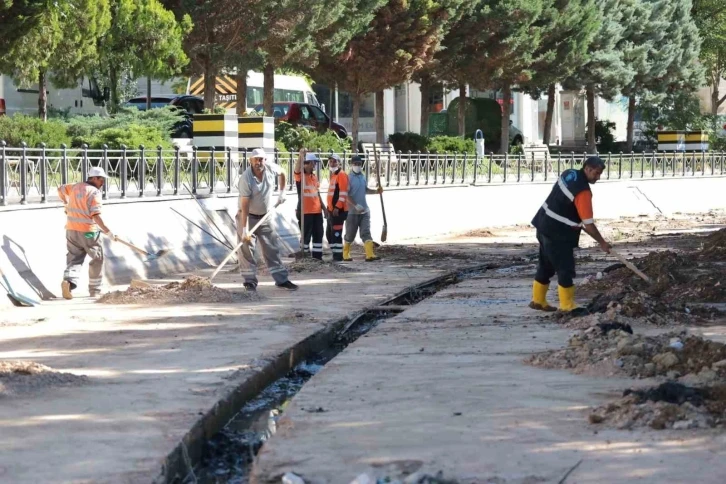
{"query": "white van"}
[(14, 99), (287, 89)]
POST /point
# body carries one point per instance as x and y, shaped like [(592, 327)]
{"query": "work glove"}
[(245, 235), (336, 212), (360, 208), (379, 190), (281, 197)]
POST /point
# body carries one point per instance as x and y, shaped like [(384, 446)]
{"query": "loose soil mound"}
[(193, 289), (668, 406), (612, 349), (714, 247), (479, 233), (310, 265), (23, 377)]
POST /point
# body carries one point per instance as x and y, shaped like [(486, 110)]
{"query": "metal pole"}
[(212, 170), (124, 171), (105, 169), (43, 174), (142, 170), (195, 168), (64, 164), (228, 175), (177, 169), (159, 170), (24, 174), (3, 174)]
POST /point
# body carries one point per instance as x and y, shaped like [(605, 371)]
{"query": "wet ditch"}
[(222, 446)]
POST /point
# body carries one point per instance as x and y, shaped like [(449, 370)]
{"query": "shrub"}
[(294, 138), (451, 144), (604, 137), (132, 136), (409, 142), (19, 127), (160, 122)]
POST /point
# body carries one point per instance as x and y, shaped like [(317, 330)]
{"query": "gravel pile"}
[(19, 378)]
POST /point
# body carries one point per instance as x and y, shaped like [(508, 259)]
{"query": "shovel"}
[(17, 299), (149, 257), (384, 232), (630, 266)]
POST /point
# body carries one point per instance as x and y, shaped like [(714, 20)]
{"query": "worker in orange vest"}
[(337, 205), (312, 208), (83, 226)]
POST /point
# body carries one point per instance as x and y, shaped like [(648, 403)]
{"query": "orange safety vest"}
[(82, 202), (311, 197), (338, 191)]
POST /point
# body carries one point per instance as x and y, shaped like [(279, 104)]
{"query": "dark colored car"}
[(307, 115), (189, 105)]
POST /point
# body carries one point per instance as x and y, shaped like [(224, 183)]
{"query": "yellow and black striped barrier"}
[(682, 140), (696, 141), (256, 132), (218, 131)]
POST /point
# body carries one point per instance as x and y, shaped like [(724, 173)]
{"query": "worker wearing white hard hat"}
[(84, 225)]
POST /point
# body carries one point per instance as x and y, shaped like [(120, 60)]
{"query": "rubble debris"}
[(618, 352), (670, 405), (310, 265), (22, 377), (714, 247), (192, 289), (479, 233)]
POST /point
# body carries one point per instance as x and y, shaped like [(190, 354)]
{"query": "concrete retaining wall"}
[(32, 244)]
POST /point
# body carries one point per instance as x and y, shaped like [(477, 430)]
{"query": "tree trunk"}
[(425, 105), (241, 79), (462, 110), (210, 87), (42, 96), (355, 123), (113, 80), (506, 98), (380, 127), (268, 95), (591, 146), (631, 123), (148, 92), (549, 115)]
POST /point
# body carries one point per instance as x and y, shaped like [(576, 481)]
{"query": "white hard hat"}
[(96, 171), (258, 153), (311, 157), (334, 157)]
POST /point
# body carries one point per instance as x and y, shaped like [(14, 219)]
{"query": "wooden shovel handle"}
[(630, 266)]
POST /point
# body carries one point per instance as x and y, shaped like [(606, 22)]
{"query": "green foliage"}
[(33, 131), (160, 122), (293, 138), (604, 136), (451, 144), (131, 135), (215, 110), (710, 17), (406, 142)]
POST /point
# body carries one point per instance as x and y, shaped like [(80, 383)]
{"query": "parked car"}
[(306, 115), (189, 106)]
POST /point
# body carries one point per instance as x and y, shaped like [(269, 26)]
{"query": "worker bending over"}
[(337, 206), (312, 208), (359, 215), (83, 231), (567, 211), (256, 185)]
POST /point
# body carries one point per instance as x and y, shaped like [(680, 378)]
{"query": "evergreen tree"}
[(144, 40), (607, 69), (670, 61), (710, 17), (401, 38), (16, 18), (569, 27), (61, 41)]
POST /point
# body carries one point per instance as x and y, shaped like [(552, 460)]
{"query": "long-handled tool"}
[(202, 229), (207, 216), (630, 266), (141, 251), (17, 299), (243, 241), (384, 232)]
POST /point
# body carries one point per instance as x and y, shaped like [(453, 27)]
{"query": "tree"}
[(61, 41), (710, 17), (671, 58), (607, 70), (16, 18), (495, 48), (569, 27), (144, 40), (402, 36)]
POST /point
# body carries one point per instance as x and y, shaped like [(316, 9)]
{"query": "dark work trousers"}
[(335, 236), (314, 230), (555, 257)]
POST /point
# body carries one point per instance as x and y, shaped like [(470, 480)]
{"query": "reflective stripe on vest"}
[(82, 204), (559, 218)]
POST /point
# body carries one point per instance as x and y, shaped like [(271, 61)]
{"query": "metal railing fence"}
[(32, 175)]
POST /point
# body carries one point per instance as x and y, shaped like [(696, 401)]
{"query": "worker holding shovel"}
[(83, 231), (566, 212), (256, 185), (359, 215)]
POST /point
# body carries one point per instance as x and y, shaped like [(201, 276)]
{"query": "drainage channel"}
[(227, 457)]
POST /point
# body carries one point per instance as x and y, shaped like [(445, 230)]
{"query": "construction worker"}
[(566, 212), (256, 185), (337, 205), (312, 208), (84, 225), (359, 215)]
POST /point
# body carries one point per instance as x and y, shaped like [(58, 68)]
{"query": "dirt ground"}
[(192, 289), (24, 378)]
